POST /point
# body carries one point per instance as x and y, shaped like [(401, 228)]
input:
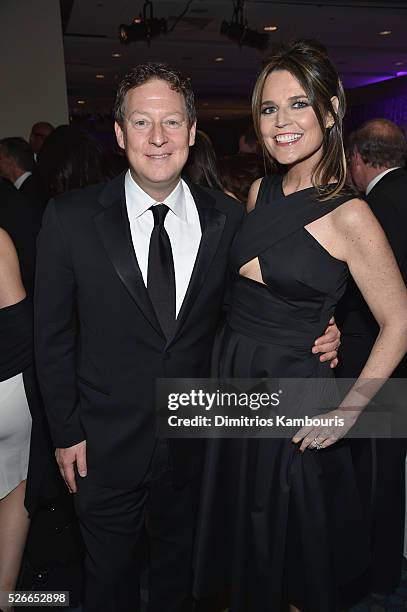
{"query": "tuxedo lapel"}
[(212, 224), (113, 227)]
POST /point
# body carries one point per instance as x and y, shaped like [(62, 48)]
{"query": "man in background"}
[(17, 166), (377, 155), (39, 132)]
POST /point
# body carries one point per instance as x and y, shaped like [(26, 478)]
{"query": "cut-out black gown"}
[(278, 526)]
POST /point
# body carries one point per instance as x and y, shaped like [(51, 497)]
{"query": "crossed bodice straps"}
[(276, 216)]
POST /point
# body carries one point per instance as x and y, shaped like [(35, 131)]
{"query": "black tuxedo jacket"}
[(22, 221), (388, 201), (99, 346), (33, 190)]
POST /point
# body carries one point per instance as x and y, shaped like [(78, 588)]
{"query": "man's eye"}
[(268, 110), (300, 104), (139, 123), (173, 123)]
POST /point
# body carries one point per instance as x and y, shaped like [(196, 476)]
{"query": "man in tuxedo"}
[(22, 222), (17, 166), (129, 288), (377, 156)]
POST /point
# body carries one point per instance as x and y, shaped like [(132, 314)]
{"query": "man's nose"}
[(158, 136)]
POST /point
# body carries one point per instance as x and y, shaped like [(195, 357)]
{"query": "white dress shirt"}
[(182, 225), (21, 179), (377, 178)]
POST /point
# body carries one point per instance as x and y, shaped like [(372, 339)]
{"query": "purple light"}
[(362, 82), (371, 80)]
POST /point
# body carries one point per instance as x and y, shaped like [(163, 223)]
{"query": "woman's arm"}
[(11, 286), (373, 266), (361, 242)]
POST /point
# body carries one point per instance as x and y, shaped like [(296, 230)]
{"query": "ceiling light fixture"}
[(80, 101), (145, 27), (385, 32), (219, 59), (399, 63), (100, 76), (237, 29), (270, 28)]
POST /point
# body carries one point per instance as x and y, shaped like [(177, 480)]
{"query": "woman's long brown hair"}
[(308, 62)]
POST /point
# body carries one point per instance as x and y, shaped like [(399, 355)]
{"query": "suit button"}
[(167, 355)]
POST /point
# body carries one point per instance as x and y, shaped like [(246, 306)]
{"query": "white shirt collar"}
[(139, 201), (21, 179), (377, 178)]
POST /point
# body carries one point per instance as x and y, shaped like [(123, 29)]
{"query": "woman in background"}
[(239, 172), (71, 159), (15, 419), (202, 165)]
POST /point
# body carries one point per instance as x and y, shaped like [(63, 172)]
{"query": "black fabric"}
[(53, 556), (16, 352), (114, 522), (99, 345), (379, 464), (161, 273), (290, 529), (170, 539), (33, 189), (22, 221)]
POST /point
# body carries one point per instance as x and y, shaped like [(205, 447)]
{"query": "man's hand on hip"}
[(67, 458), (328, 344)]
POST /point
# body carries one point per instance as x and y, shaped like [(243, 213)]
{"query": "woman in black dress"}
[(15, 419), (281, 523)]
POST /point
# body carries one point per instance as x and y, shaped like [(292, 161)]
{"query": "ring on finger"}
[(317, 445)]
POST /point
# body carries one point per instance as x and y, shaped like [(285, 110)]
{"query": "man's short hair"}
[(20, 151), (380, 143), (143, 73)]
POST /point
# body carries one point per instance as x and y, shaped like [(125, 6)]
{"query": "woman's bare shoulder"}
[(353, 215), (253, 193), (7, 248)]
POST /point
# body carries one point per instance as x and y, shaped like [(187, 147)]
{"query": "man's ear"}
[(192, 133), (357, 158), (330, 120), (119, 135)]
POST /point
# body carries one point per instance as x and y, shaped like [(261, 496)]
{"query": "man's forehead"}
[(156, 89), (40, 129)]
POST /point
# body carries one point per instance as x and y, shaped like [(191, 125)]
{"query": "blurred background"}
[(62, 59)]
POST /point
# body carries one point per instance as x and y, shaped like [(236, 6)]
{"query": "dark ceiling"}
[(350, 30)]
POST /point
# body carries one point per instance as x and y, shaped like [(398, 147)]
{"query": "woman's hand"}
[(322, 436)]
